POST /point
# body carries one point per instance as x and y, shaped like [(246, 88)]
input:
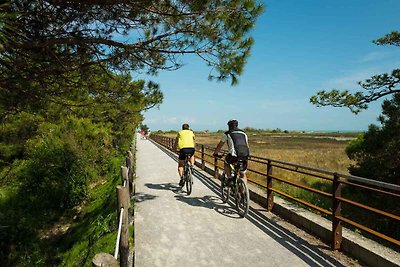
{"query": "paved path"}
[(173, 229)]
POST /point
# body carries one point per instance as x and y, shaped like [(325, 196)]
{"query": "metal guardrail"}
[(124, 192), (336, 181)]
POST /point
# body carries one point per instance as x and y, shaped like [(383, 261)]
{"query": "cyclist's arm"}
[(218, 148)]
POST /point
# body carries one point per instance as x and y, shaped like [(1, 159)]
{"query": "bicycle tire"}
[(242, 198), (224, 189), (189, 180)]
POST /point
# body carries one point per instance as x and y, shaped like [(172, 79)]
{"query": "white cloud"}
[(150, 120), (375, 56), (171, 120)]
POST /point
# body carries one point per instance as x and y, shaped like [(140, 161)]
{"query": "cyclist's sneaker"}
[(181, 182)]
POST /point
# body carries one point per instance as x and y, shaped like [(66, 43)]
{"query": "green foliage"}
[(338, 98), (14, 131), (95, 232), (56, 43), (377, 152), (7, 31), (23, 244), (62, 158), (392, 38), (260, 131), (377, 86)]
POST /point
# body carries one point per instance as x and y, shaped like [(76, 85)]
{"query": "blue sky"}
[(300, 47)]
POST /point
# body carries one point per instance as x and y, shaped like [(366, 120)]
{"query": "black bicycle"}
[(238, 188), (187, 174)]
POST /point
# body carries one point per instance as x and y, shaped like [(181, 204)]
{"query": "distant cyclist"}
[(185, 143), (238, 148)]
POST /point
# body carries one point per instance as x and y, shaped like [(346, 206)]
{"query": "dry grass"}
[(315, 150), (309, 150)]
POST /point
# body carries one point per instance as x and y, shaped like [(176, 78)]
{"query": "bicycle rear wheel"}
[(189, 180), (242, 198), (224, 189)]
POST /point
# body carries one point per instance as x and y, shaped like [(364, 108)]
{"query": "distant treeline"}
[(266, 131)]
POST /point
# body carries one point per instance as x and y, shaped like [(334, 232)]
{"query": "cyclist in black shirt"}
[(238, 148)]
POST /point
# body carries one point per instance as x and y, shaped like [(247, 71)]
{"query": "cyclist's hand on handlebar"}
[(217, 155)]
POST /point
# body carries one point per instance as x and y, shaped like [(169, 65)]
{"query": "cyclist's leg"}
[(180, 168), (228, 169), (227, 166), (192, 157), (192, 160), (242, 172), (180, 163)]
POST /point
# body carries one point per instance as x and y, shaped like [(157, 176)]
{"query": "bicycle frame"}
[(238, 190), (235, 167), (187, 172)]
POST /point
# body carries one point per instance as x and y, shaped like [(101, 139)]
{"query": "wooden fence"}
[(124, 193), (271, 175)]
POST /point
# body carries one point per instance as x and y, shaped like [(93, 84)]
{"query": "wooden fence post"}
[(215, 167), (124, 174), (123, 202), (336, 211), (270, 195), (203, 164), (133, 151), (129, 163)]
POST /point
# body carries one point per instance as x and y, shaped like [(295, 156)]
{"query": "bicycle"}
[(187, 174), (238, 189)]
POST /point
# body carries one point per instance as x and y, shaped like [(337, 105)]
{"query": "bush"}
[(377, 152), (61, 162), (15, 129)]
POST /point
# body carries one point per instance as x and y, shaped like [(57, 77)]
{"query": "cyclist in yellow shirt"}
[(184, 142)]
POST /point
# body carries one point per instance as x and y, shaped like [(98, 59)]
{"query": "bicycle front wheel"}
[(242, 198), (189, 181), (224, 189)]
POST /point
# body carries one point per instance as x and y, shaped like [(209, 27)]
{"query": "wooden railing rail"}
[(124, 193), (263, 177)]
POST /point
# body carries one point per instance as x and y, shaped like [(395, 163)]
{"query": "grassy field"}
[(319, 150)]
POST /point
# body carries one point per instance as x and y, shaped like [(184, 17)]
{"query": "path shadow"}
[(165, 186), (312, 255), (141, 197), (210, 202)]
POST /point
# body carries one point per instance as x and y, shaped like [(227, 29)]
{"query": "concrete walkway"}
[(173, 229)]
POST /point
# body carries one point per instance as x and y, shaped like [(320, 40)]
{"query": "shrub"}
[(377, 152), (62, 160)]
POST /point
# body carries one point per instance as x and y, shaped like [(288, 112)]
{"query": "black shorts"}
[(185, 151), (232, 159)]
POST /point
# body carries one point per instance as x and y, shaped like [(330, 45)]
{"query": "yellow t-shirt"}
[(185, 139)]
